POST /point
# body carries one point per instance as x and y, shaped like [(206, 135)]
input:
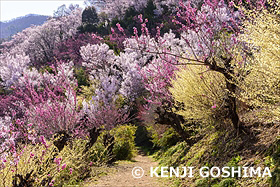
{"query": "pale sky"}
[(15, 8)]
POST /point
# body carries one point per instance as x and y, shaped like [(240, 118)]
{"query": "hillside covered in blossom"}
[(192, 83)]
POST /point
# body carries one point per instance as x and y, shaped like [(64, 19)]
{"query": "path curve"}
[(123, 175)]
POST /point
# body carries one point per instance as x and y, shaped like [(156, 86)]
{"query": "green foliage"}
[(87, 92), (81, 76), (2, 90), (164, 140), (86, 27), (79, 164), (174, 156), (149, 9), (128, 21), (46, 69), (112, 45), (205, 182), (89, 16), (234, 162), (149, 14), (38, 166), (73, 156), (228, 182), (269, 161), (90, 21), (274, 161), (84, 164), (99, 154), (275, 180), (124, 146), (43, 168), (143, 140), (103, 29)]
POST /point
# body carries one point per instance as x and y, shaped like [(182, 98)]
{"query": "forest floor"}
[(121, 174)]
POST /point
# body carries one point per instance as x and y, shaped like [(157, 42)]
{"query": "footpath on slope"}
[(122, 177)]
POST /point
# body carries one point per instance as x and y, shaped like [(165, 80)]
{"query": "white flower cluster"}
[(12, 68), (117, 8)]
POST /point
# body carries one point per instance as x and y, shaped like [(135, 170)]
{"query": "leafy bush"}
[(32, 164), (99, 153), (124, 147), (81, 77), (83, 164), (89, 15), (43, 165), (206, 182), (228, 182), (162, 136), (273, 153)]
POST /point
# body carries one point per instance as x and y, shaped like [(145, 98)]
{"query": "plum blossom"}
[(70, 171), (63, 166), (12, 68)]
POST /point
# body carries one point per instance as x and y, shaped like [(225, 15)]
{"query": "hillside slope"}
[(18, 24)]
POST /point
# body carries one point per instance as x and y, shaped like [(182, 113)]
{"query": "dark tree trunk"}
[(26, 181), (93, 136), (108, 142), (228, 72), (233, 115), (175, 121), (61, 140), (232, 106)]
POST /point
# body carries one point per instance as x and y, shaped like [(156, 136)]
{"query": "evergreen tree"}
[(89, 16)]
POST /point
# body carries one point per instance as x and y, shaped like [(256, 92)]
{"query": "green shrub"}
[(81, 76), (174, 155), (163, 140), (228, 182), (124, 147), (205, 182), (274, 152), (33, 160), (234, 163), (98, 154), (38, 167)]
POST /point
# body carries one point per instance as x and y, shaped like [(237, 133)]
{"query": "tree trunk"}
[(233, 115), (175, 121), (93, 135), (26, 181), (61, 139), (228, 72)]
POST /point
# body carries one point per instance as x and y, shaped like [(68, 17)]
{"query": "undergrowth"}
[(221, 149)]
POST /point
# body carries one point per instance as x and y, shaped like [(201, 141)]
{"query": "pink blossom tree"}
[(50, 104), (209, 38), (69, 49)]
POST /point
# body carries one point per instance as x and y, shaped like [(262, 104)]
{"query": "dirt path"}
[(122, 176)]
